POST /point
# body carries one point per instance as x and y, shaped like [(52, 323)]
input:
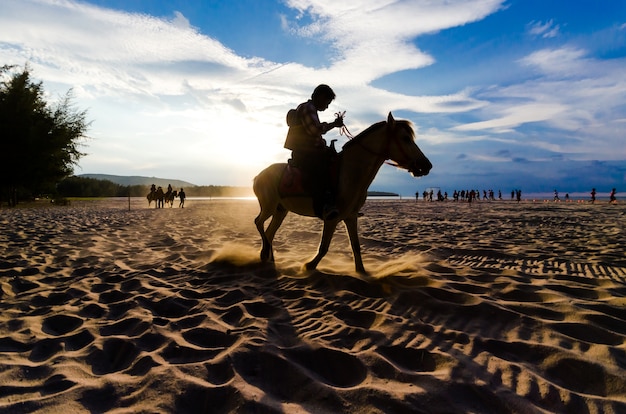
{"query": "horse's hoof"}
[(267, 257), (310, 266)]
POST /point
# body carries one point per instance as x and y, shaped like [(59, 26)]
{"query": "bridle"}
[(386, 153)]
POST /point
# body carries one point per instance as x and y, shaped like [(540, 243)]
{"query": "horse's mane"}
[(399, 124)]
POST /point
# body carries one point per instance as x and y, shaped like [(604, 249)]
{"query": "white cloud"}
[(566, 61), (180, 21), (575, 97), (545, 30), (514, 116), (368, 54), (79, 44)]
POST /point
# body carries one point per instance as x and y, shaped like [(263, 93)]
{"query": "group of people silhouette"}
[(592, 200), (467, 195), (489, 195), (161, 197), (612, 198)]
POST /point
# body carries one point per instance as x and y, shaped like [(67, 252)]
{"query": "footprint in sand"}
[(331, 366), (417, 360), (179, 354), (130, 327), (115, 355), (170, 307), (45, 349), (57, 325), (209, 338)]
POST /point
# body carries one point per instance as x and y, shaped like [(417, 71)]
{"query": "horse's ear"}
[(390, 121)]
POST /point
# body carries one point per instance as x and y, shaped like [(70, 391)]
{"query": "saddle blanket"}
[(291, 182)]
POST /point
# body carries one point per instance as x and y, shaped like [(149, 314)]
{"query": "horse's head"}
[(403, 150)]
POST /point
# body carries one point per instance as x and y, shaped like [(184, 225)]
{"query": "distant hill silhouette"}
[(139, 180), (189, 187)]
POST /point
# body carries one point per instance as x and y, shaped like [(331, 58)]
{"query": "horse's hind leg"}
[(277, 220), (266, 249), (267, 236)]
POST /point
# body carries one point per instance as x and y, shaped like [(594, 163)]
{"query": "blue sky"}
[(503, 94)]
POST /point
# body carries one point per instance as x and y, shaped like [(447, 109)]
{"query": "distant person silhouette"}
[(593, 195), (182, 196), (612, 199)]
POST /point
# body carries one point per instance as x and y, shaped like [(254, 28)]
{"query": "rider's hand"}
[(338, 122)]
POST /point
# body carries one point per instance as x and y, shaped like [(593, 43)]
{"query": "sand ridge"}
[(494, 307)]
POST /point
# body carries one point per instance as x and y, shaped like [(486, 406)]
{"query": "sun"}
[(246, 142)]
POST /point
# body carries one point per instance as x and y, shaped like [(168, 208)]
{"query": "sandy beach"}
[(493, 307)]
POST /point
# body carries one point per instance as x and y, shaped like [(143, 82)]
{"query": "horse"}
[(169, 197), (151, 197), (358, 164), (158, 196)]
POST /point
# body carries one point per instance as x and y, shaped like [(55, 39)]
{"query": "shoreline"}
[(141, 202)]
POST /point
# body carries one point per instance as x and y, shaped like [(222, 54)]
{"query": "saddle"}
[(292, 181)]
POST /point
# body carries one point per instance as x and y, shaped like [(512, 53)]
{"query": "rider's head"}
[(322, 96)]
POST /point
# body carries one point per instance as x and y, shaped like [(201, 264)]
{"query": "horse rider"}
[(309, 150)]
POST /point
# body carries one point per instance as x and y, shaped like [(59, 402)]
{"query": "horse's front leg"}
[(327, 236), (353, 234)]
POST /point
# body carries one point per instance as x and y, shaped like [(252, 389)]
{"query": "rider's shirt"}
[(311, 122)]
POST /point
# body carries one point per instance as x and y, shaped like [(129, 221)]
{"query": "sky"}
[(518, 94)]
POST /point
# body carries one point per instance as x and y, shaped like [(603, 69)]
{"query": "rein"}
[(344, 129)]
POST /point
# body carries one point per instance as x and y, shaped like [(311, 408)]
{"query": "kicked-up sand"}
[(493, 307)]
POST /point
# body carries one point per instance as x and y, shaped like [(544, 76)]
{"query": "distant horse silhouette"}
[(358, 163), (158, 196), (170, 196)]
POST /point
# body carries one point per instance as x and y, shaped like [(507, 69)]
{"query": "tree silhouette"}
[(39, 142)]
